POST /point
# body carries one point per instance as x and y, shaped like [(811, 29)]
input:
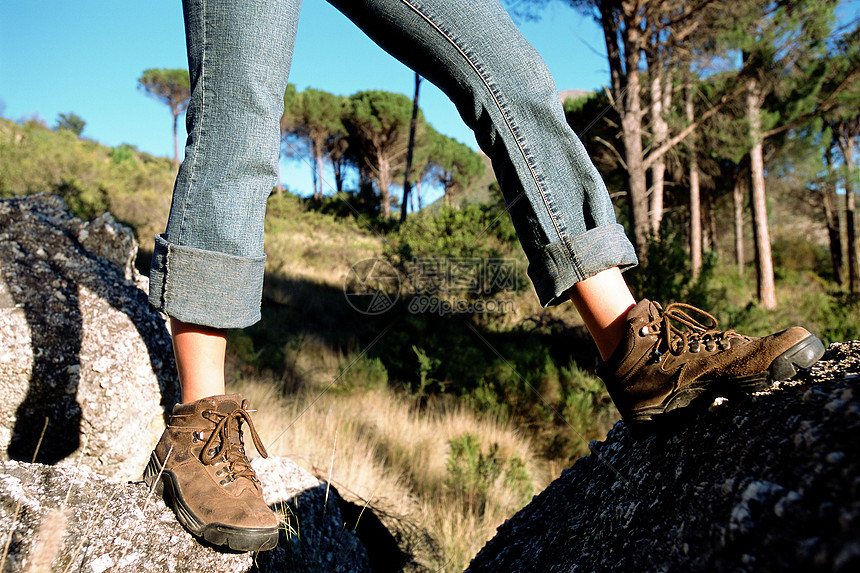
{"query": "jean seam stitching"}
[(201, 85), (501, 108), (166, 277)]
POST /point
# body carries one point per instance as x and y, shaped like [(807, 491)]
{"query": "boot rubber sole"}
[(651, 419), (165, 484)]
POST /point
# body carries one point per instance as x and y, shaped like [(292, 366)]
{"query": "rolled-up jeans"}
[(207, 268)]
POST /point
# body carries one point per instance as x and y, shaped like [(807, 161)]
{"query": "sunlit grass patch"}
[(455, 475)]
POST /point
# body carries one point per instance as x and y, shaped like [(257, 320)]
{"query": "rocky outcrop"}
[(767, 484), (80, 347), (81, 353), (63, 518), (771, 483)]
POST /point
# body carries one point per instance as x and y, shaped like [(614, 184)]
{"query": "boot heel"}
[(802, 355), (151, 474)]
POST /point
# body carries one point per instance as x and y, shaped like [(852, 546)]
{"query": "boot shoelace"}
[(227, 451), (699, 334)]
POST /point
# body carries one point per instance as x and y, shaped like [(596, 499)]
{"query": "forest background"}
[(402, 354)]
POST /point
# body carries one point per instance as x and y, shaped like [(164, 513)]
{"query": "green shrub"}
[(361, 204), (361, 373), (91, 178), (84, 201), (799, 254), (840, 318), (123, 153), (587, 409), (426, 365), (473, 231), (472, 471)]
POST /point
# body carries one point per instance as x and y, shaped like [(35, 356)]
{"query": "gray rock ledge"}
[(770, 483), (68, 518)]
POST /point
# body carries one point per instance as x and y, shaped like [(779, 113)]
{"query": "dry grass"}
[(374, 445), (311, 246), (378, 449)]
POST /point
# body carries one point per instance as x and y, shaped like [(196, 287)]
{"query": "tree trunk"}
[(318, 190), (314, 165), (337, 166), (383, 180), (738, 202), (661, 99), (846, 144), (631, 124), (627, 102), (695, 221), (175, 140), (710, 234), (695, 196), (831, 217), (764, 259), (413, 124), (637, 194)]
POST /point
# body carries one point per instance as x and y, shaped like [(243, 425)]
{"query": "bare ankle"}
[(603, 302)]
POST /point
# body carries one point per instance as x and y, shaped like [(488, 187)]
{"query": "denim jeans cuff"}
[(556, 271), (205, 287)]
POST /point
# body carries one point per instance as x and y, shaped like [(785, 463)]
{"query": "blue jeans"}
[(207, 267)]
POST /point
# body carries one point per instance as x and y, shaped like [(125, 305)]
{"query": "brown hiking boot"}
[(200, 467), (658, 368)]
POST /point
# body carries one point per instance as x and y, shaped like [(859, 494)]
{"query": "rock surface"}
[(767, 484), (80, 347), (70, 519), (78, 343)]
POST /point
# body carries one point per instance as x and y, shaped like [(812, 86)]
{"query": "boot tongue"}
[(645, 311)]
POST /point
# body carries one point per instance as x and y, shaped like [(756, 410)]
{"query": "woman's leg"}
[(501, 86), (562, 212), (207, 268), (603, 302), (505, 93), (200, 353)]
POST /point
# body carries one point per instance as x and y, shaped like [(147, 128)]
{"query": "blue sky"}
[(85, 56)]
